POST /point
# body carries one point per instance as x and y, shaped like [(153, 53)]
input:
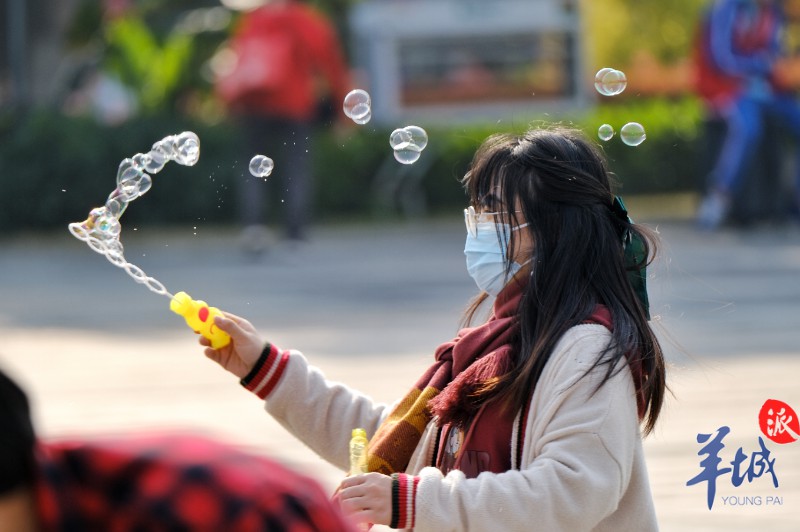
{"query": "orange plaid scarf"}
[(475, 355)]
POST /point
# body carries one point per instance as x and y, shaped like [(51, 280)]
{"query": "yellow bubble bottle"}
[(358, 452), (200, 318)]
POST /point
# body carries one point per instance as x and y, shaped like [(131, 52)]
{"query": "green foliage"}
[(669, 159), (154, 70), (54, 169)]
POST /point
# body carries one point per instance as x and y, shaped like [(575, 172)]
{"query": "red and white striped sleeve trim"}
[(406, 503), (267, 371)]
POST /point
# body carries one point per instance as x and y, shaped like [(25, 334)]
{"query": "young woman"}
[(531, 420)]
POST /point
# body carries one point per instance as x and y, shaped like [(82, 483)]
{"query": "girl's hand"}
[(241, 354), (367, 498)]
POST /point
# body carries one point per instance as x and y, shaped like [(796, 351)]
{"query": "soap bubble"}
[(605, 132), (79, 230), (116, 204), (358, 106), (261, 166), (399, 137), (155, 161), (408, 154), (136, 272), (408, 143), (154, 285), (140, 160), (419, 137), (135, 186), (187, 148), (364, 119), (610, 82), (108, 226), (164, 148), (632, 133)]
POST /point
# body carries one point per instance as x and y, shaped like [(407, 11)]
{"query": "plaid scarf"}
[(462, 364)]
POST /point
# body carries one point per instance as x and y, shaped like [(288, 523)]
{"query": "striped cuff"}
[(404, 493), (266, 372)]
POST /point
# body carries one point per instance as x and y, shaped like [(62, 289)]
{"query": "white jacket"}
[(583, 465)]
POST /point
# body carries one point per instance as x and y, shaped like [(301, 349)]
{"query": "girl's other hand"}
[(367, 498)]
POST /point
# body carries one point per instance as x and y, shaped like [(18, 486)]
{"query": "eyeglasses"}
[(472, 218)]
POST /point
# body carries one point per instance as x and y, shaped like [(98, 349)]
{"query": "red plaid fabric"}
[(175, 483)]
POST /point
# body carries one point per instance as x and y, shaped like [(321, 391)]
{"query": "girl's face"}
[(493, 207)]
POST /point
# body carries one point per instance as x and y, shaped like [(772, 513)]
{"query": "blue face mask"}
[(486, 258)]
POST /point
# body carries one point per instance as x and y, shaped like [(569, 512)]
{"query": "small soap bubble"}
[(164, 148), (79, 231), (399, 138), (108, 226), (141, 160), (155, 161), (357, 106), (261, 166), (96, 245), (364, 119), (408, 154), (136, 272), (135, 186), (187, 148), (605, 132), (610, 82), (408, 143), (419, 137), (116, 205), (632, 133)]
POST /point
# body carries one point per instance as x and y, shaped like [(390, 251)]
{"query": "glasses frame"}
[(471, 219)]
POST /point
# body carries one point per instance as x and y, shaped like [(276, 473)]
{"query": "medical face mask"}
[(486, 257)]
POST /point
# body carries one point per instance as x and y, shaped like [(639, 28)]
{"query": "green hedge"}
[(54, 169)]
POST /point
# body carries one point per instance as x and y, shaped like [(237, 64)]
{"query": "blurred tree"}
[(618, 29), (153, 69)]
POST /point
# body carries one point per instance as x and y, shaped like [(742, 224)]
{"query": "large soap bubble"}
[(261, 166), (610, 82), (632, 133), (357, 106)]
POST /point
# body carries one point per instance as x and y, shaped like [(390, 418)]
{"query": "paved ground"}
[(101, 354)]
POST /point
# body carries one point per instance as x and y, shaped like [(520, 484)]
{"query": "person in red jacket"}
[(147, 482), (288, 61)]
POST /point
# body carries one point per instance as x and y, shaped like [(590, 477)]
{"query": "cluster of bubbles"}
[(101, 230), (408, 143), (261, 166), (610, 82), (358, 106)]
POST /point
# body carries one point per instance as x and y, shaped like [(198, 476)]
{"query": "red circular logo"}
[(779, 422)]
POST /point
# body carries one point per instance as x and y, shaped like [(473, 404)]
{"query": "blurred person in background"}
[(156, 482), (288, 65), (738, 47)]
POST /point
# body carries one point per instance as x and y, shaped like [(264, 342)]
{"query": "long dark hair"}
[(558, 182)]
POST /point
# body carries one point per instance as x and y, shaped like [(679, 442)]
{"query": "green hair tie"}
[(635, 257)]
